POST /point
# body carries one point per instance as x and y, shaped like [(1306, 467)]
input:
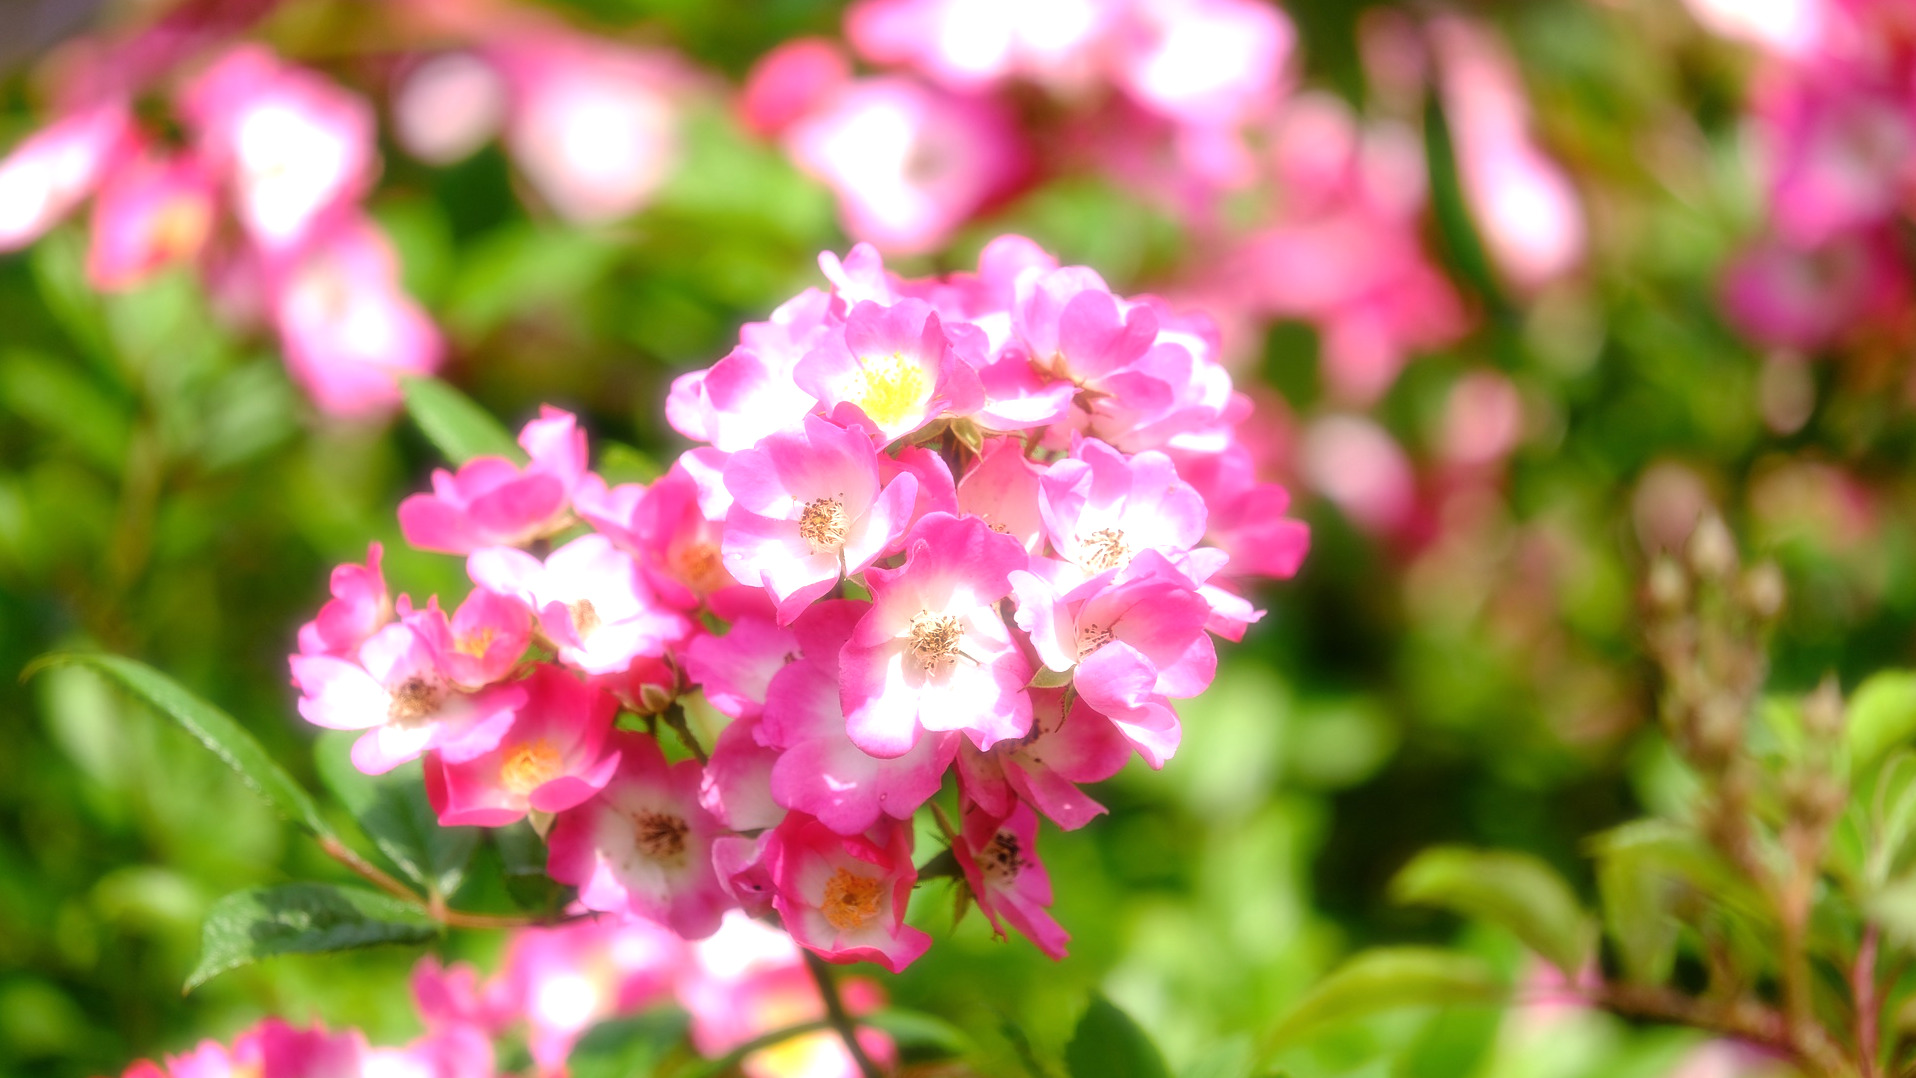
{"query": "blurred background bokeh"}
[(1519, 288)]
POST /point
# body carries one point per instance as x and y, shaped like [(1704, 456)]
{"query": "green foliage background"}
[(164, 493)]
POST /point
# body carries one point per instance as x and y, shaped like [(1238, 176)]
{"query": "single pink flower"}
[(491, 501), (282, 1051), (1244, 517), (349, 330), (933, 654), (969, 45), (296, 147), (1204, 62), (1147, 617), (999, 856), (789, 82), (358, 608), (909, 163), (1045, 767), (53, 170), (1100, 509), (151, 213), (593, 125), (1808, 299), (843, 897), (808, 509), (665, 526), (895, 365), (397, 693), (592, 601), (820, 772), (565, 979), (447, 106), (643, 844), (750, 393), (481, 643), (552, 759)]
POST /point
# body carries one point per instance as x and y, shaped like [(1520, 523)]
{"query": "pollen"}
[(1104, 549), (700, 567), (1091, 638), (890, 389), (935, 639), (660, 835), (180, 228), (1002, 858), (529, 766), (851, 901), (476, 644), (585, 617), (823, 526), (415, 698)]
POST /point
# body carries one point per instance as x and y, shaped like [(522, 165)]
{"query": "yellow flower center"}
[(476, 644), (180, 228), (851, 901), (890, 389), (529, 766)]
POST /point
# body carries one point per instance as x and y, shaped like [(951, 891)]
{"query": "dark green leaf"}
[(1881, 715), (301, 918), (1108, 1044), (1387, 979), (214, 728), (1513, 890), (1643, 869), (393, 810), (461, 429)]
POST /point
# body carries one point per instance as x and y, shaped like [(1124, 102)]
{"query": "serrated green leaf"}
[(301, 918), (1108, 1044), (458, 427), (1387, 979), (1515, 891), (213, 727), (1881, 715), (394, 811)]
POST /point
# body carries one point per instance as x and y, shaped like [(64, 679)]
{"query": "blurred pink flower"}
[(1361, 468), (447, 106), (909, 163), (789, 82), (151, 212), (1523, 202), (53, 170), (972, 44)]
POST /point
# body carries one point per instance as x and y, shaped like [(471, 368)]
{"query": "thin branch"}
[(838, 1017), (434, 907), (1862, 980)]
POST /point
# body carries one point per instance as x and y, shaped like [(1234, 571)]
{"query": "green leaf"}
[(214, 728), (301, 918), (1643, 869), (1881, 715), (1515, 891), (1387, 979), (1108, 1044), (625, 1047), (450, 420), (394, 811), (1047, 678), (917, 1033)]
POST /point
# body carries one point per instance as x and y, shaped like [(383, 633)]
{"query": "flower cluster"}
[(1836, 133), (983, 525), (263, 195), (743, 982)]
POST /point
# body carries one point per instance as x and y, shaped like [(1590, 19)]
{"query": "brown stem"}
[(1862, 980), (1744, 1019), (434, 907), (840, 1019)]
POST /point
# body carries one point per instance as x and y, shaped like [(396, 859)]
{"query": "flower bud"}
[(1669, 588), (1764, 590), (1712, 549), (1823, 711)]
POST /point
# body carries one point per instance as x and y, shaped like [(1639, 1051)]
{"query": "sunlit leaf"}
[(1881, 715), (214, 728), (1513, 890), (1388, 979), (301, 918), (459, 428)]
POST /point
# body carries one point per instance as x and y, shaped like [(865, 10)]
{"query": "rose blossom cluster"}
[(1835, 121), (981, 527), (263, 195), (744, 981)]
